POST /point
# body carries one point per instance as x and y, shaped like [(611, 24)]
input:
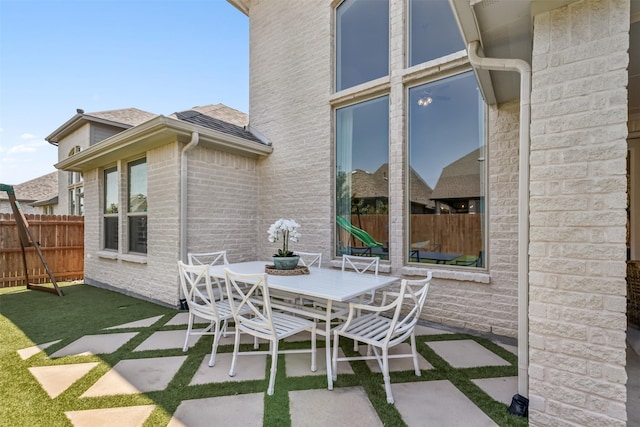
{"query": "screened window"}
[(362, 42), (433, 31), (110, 214), (362, 189), (446, 175), (137, 210)]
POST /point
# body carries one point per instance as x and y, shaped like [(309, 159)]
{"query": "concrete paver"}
[(403, 364), (56, 379), (137, 376), (131, 416), (95, 344), (137, 324), (342, 407), (437, 404), (26, 353), (500, 389), (163, 340), (245, 410), (247, 368), (466, 354)]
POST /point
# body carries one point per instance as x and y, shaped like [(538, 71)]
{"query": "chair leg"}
[(274, 367), (334, 359), (385, 374), (214, 346), (415, 355), (234, 358), (189, 326), (313, 350)]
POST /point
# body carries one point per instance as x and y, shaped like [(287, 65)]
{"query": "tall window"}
[(110, 214), (446, 174), (362, 42), (137, 209), (362, 190), (75, 189), (433, 32)]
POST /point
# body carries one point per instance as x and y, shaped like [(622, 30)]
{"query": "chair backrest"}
[(248, 296), (310, 259), (361, 264), (412, 296), (208, 258), (197, 290)]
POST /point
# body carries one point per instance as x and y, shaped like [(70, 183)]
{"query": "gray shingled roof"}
[(460, 179), (365, 185), (198, 118), (222, 112), (43, 187), (126, 116)]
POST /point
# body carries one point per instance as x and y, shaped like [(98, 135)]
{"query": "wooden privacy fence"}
[(61, 240), (456, 233)]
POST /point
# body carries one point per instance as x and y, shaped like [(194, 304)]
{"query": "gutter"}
[(524, 69), (195, 138)]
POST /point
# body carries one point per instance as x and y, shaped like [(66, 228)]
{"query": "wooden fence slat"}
[(61, 239)]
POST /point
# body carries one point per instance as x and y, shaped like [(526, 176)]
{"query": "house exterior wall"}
[(155, 276), (291, 104), (290, 83), (222, 199), (79, 137), (578, 215)]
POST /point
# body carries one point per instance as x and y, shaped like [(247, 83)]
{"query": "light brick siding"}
[(221, 214), (80, 138), (291, 87), (222, 199), (578, 218), (290, 80)]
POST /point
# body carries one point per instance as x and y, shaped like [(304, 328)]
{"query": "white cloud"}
[(27, 136), (26, 148)]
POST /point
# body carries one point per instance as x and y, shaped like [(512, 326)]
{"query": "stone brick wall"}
[(290, 84), (578, 200)]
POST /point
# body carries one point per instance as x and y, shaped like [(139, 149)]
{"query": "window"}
[(75, 189), (110, 213), (362, 190), (433, 32), (137, 209), (362, 42), (446, 174)]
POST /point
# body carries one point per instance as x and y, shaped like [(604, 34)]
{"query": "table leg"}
[(327, 346)]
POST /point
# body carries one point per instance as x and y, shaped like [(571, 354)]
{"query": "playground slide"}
[(358, 233)]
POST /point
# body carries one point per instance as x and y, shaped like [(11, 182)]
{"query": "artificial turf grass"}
[(30, 317)]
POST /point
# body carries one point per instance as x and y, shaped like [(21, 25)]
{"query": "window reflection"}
[(446, 157), (433, 31), (362, 189), (362, 42)]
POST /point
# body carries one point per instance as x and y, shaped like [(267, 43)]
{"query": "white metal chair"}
[(203, 303), (381, 327), (209, 259), (310, 259), (251, 309), (360, 264)]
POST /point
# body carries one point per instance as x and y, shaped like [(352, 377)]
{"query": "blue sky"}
[(160, 56)]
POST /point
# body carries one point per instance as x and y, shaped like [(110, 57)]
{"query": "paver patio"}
[(438, 401)]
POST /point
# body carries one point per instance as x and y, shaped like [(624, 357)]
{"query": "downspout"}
[(195, 138), (524, 69)]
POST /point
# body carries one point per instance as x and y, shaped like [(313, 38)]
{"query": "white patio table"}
[(327, 284)]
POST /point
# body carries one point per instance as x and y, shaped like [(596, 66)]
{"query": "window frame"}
[(110, 215), (136, 215)]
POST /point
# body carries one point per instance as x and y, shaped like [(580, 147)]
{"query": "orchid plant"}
[(285, 230)]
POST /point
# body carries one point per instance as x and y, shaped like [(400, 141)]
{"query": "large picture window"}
[(110, 213), (362, 189), (433, 32), (447, 172), (362, 42), (137, 209)]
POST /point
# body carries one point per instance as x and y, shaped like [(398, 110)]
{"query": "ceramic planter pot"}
[(286, 263)]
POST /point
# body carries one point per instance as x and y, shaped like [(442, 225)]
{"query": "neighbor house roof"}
[(460, 179), (366, 185), (42, 187), (124, 118)]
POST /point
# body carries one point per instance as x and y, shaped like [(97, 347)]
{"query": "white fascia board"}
[(75, 122), (155, 133), (241, 5)]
